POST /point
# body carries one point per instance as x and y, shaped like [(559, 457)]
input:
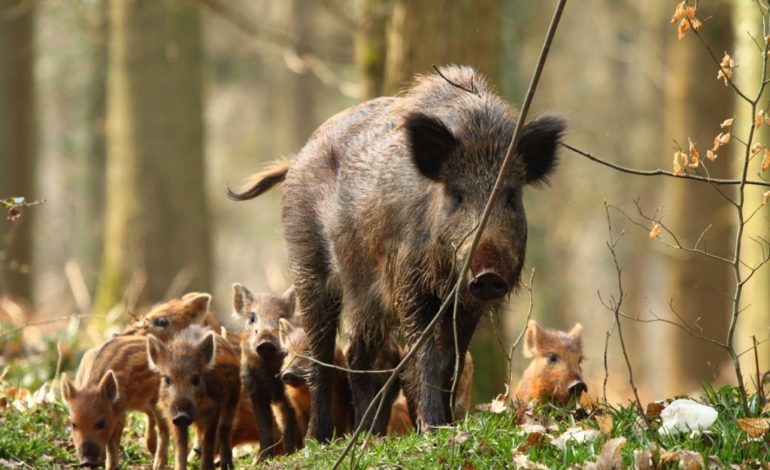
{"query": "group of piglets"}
[(182, 369)]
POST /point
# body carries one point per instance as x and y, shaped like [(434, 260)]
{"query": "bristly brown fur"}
[(261, 182)]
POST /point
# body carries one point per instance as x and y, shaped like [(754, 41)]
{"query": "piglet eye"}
[(196, 380), (457, 196), (252, 318), (161, 322), (74, 426), (101, 424), (553, 358), (166, 381)]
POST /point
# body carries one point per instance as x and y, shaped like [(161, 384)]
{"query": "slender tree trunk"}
[(157, 225), (755, 320), (696, 104), (17, 143)]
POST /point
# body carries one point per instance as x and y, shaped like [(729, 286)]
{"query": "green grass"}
[(40, 439)]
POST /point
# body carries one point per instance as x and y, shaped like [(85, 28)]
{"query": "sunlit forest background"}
[(131, 118)]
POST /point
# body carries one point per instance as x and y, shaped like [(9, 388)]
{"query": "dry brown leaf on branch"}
[(694, 156), (754, 427), (726, 68), (756, 148), (759, 118), (766, 161), (679, 158), (711, 155), (765, 197), (724, 138), (685, 15), (654, 232), (727, 123)]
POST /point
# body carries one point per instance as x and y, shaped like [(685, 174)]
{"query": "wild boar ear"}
[(284, 330), (68, 390), (538, 144), (430, 142), (530, 339), (207, 349), (241, 296), (109, 386), (156, 351)]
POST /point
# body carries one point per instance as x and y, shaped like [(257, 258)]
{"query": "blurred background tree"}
[(157, 240), (17, 143)]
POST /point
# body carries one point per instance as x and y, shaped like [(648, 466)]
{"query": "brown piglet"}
[(555, 371), (113, 379), (169, 318), (261, 359), (200, 384), (294, 374)]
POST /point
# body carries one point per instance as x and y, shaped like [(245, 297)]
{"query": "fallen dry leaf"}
[(754, 427), (643, 459), (498, 405), (522, 461), (654, 408), (586, 401), (609, 458), (605, 424)]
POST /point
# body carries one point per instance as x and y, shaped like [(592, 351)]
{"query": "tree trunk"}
[(756, 295), (17, 143), (370, 45), (696, 105), (157, 225), (422, 33)]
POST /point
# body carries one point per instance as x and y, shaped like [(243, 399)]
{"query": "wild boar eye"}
[(553, 358), (161, 322), (456, 195), (196, 380), (252, 318), (74, 426), (101, 424)]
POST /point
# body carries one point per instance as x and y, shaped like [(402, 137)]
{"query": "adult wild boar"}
[(378, 211)]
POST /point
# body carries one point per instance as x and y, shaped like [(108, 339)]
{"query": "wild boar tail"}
[(261, 182)]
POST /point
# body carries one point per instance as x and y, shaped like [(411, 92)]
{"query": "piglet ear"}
[(241, 298), (68, 390), (285, 328), (156, 351), (531, 339), (538, 144), (576, 334), (207, 348), (109, 386), (430, 142), (290, 297), (198, 303)]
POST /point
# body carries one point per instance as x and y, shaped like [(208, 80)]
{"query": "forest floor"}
[(34, 434)]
